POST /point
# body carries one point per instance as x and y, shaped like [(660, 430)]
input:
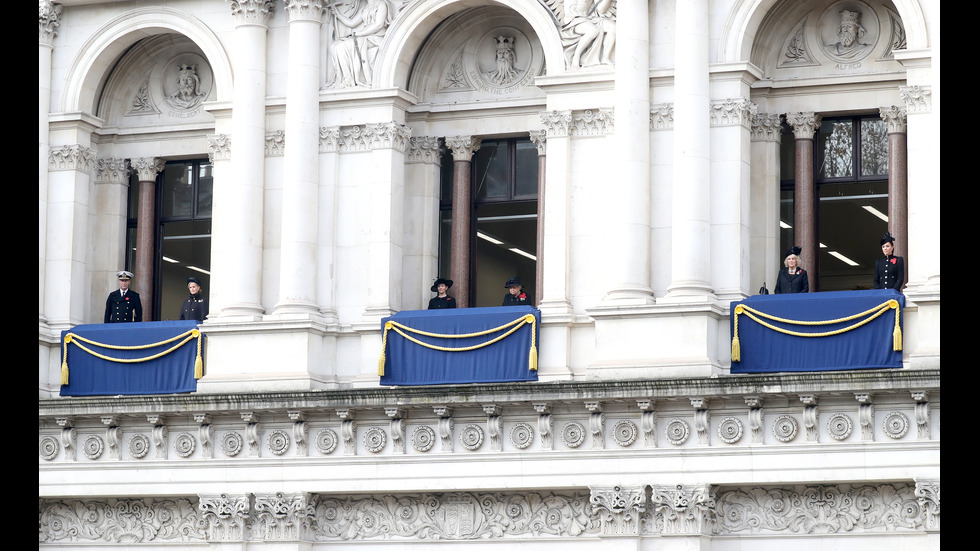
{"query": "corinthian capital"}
[(896, 119), (48, 14), (463, 147), (147, 168), (804, 123), (252, 12), (305, 10)]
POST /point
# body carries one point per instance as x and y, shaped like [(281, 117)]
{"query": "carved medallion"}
[(785, 428), (624, 433), (48, 447), (231, 443), (423, 438), (139, 446), (184, 444), (573, 434), (839, 426), (730, 430), (326, 441), (278, 442), (896, 424), (471, 436), (522, 435), (375, 439), (677, 431), (93, 447)]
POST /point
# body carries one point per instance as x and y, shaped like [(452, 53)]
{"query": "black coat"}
[(194, 308), (519, 300), (440, 303), (792, 283), (123, 309), (889, 272)]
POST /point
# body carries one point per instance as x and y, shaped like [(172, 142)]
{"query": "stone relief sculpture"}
[(506, 72), (188, 93), (359, 27), (850, 35), (588, 29)]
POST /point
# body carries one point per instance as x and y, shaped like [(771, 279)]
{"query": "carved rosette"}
[(48, 15), (71, 157), (275, 144), (48, 447), (252, 12), (839, 426), (785, 428), (662, 116), (471, 437), (733, 112), (424, 149), (219, 147), (423, 438), (766, 127), (326, 441), (918, 99), (281, 517), (683, 509), (895, 425), (119, 521), (139, 446), (375, 439), (185, 444), (677, 431), (93, 446), (224, 517), (618, 509), (521, 435), (625, 432), (232, 443), (804, 123), (573, 434), (730, 430), (278, 441)]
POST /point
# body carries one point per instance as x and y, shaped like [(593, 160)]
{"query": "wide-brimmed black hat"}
[(193, 279), (447, 282), (887, 238), (514, 281), (793, 251)]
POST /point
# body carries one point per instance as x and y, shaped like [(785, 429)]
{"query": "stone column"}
[(898, 179), (805, 125), (691, 209), (298, 264), (553, 215), (421, 259), (628, 260), (540, 137), (146, 169), (236, 235), (326, 227), (463, 148), (765, 257), (48, 22)]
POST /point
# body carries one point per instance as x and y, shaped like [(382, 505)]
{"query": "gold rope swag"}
[(513, 326), (871, 314), (72, 338)]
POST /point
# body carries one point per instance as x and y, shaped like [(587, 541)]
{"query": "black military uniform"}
[(194, 308), (520, 299), (123, 307), (890, 269), (441, 303)]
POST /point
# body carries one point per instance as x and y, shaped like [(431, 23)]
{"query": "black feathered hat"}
[(447, 282)]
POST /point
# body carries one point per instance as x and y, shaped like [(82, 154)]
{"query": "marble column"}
[(236, 235), (691, 209), (628, 260), (298, 264), (463, 148), (898, 178), (553, 215), (146, 169), (765, 258), (540, 137), (48, 21), (805, 125)]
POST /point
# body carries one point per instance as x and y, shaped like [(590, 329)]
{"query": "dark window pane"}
[(177, 194), (492, 171), (205, 185), (874, 147), (526, 185), (836, 142)]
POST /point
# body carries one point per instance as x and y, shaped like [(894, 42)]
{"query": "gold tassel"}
[(198, 367), (64, 373), (64, 360), (381, 364), (736, 350), (897, 339), (532, 359)]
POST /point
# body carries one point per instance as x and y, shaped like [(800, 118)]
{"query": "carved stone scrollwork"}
[(252, 433), (445, 426), (683, 509), (205, 433), (662, 116), (147, 168), (755, 418), (219, 147), (68, 436), (112, 171), (597, 425), (397, 428), (540, 140), (544, 425), (495, 427), (282, 517), (927, 494), (702, 423), (463, 147), (349, 434), (766, 127), (71, 157), (48, 15), (252, 12), (119, 521), (918, 99), (648, 422), (921, 413), (804, 123), (301, 432), (556, 123), (113, 435), (810, 417), (159, 435), (224, 517), (592, 122), (424, 149), (275, 144), (866, 416), (733, 112), (617, 509), (896, 119), (389, 135), (329, 139)]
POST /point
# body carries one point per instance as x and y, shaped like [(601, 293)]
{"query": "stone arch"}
[(408, 33), (94, 62)]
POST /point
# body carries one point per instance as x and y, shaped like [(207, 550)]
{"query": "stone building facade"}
[(320, 164)]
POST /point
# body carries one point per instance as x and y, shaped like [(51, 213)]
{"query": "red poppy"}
[(522, 296), (125, 298), (894, 260)]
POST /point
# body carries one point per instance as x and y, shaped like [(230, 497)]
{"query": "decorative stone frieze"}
[(275, 144), (232, 444), (921, 413), (755, 418), (71, 157), (730, 430), (592, 122), (424, 149), (662, 116), (48, 15), (48, 447), (388, 135), (348, 431), (618, 510), (147, 168), (219, 147), (918, 99), (119, 521), (113, 435), (282, 517), (927, 494), (785, 428), (732, 112), (521, 435), (446, 425), (305, 10), (252, 12), (139, 446), (301, 432), (471, 437), (624, 432), (835, 509), (224, 517), (648, 422), (423, 438), (93, 447), (329, 139), (895, 425), (112, 171), (396, 426), (683, 509), (556, 123), (677, 431), (375, 439), (839, 426), (804, 124), (896, 118), (463, 147), (766, 127)]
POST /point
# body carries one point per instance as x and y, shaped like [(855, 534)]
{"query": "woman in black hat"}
[(889, 269), (515, 295), (792, 278), (442, 300), (196, 306)]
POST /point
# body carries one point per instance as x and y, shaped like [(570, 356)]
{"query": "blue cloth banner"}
[(869, 346), (408, 363), (171, 373)]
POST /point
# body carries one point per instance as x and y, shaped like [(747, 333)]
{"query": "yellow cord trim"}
[(72, 338), (868, 314), (513, 326)]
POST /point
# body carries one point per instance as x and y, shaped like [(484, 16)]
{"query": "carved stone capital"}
[(556, 123), (618, 509), (252, 12), (766, 127), (732, 112), (592, 122), (896, 119), (275, 144), (329, 139), (918, 99), (219, 147), (662, 116), (424, 149), (147, 168), (112, 171), (388, 135), (71, 157), (48, 16), (804, 123), (282, 517), (305, 10), (462, 147), (683, 509), (540, 140), (224, 516)]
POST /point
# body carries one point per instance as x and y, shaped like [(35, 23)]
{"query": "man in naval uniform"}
[(123, 305)]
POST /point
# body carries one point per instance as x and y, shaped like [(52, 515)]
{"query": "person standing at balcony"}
[(124, 305), (515, 295), (792, 278), (889, 269), (196, 306), (441, 300)]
